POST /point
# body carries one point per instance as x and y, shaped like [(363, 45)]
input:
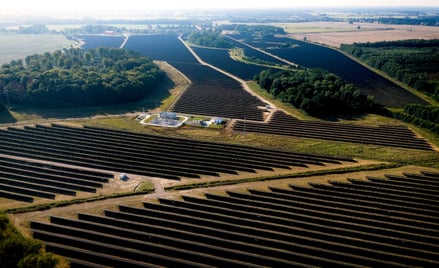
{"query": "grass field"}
[(18, 46)]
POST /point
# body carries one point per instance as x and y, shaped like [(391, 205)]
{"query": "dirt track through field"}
[(265, 52), (242, 82)]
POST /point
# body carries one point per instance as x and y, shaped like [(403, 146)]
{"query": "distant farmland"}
[(336, 33), (18, 46)]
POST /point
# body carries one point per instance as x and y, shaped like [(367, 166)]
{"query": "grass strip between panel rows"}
[(284, 176), (46, 206)]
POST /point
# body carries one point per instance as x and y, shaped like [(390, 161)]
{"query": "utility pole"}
[(245, 121)]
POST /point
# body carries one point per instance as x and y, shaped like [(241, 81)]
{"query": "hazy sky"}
[(53, 6)]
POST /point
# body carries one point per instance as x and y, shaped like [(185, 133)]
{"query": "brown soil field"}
[(336, 33)]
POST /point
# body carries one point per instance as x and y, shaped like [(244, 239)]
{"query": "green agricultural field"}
[(18, 46)]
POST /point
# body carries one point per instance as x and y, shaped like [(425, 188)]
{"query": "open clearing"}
[(18, 46), (336, 33)]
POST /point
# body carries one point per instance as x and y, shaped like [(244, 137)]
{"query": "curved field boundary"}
[(319, 225), (283, 124), (147, 155), (94, 41)]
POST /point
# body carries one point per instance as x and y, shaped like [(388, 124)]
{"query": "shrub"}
[(17, 251)]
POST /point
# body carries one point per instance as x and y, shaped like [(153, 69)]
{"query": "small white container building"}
[(168, 115), (218, 120)]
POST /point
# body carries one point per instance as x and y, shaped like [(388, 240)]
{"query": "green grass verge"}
[(148, 187), (237, 54), (145, 187), (65, 203), (278, 142), (284, 176)]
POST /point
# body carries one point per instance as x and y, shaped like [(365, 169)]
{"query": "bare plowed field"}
[(335, 34)]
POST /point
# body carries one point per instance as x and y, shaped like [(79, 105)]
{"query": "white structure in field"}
[(217, 120), (163, 119), (168, 115)]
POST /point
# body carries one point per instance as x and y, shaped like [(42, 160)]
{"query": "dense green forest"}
[(315, 91), (96, 29), (73, 77), (413, 62), (17, 251), (209, 39), (253, 30), (213, 38)]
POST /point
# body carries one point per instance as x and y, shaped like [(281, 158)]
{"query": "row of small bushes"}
[(424, 116)]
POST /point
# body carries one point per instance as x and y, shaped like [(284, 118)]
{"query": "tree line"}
[(214, 38), (253, 30), (209, 39), (425, 116), (72, 77), (317, 92), (413, 62), (424, 20)]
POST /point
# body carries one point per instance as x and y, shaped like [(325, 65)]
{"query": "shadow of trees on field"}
[(6, 117)]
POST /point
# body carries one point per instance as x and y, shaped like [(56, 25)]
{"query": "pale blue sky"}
[(51, 6)]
